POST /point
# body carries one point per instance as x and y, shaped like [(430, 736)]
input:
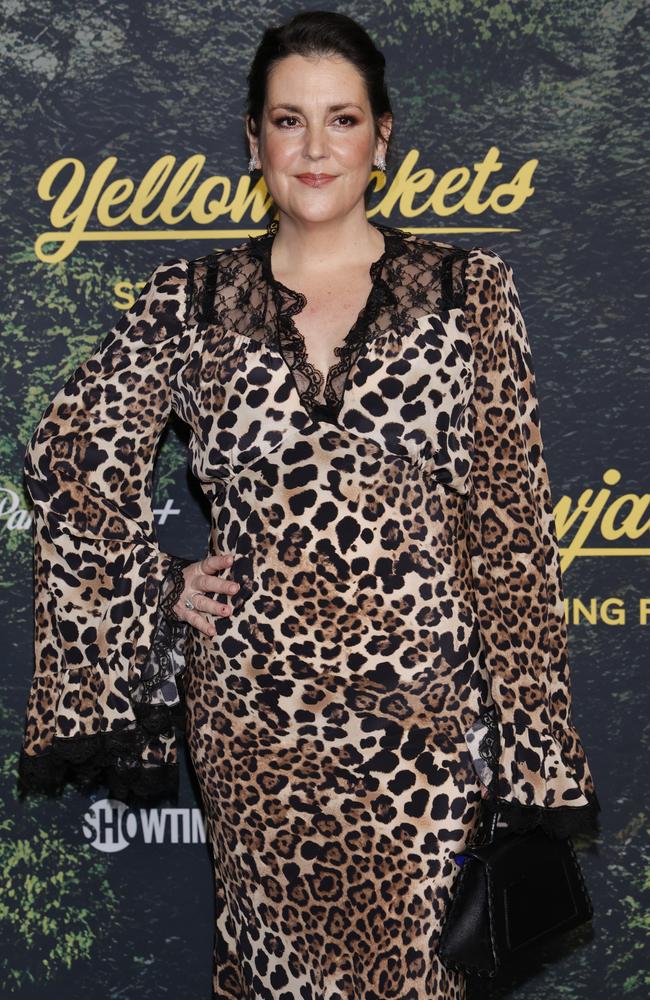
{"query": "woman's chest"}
[(330, 310)]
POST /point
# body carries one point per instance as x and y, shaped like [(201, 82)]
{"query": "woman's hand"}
[(200, 583)]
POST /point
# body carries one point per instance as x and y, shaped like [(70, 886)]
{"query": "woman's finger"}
[(206, 581), (199, 580), (200, 622), (212, 564)]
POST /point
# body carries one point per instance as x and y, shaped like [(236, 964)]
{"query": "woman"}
[(376, 637)]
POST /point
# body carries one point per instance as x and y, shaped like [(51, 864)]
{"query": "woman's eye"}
[(287, 118), (292, 118)]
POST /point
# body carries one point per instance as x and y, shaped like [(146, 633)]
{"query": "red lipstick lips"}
[(316, 180)]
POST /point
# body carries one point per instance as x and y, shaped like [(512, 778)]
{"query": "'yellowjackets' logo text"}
[(174, 201)]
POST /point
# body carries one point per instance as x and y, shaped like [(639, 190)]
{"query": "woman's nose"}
[(315, 143)]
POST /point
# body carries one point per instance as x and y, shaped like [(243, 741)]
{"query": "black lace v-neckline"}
[(291, 342)]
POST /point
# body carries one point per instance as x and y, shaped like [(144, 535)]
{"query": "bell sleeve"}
[(105, 696), (541, 774)]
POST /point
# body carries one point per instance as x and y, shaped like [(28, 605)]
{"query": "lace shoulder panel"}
[(422, 277), (225, 287), (428, 276)]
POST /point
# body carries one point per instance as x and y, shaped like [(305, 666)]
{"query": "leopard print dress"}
[(398, 639)]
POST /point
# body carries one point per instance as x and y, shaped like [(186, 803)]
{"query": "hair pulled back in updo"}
[(319, 33)]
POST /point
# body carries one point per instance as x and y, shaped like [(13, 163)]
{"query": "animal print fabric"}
[(398, 639)]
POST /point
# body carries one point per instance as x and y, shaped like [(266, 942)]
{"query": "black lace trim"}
[(454, 297), (171, 596), (116, 759), (112, 759), (562, 821), (157, 682), (291, 343), (489, 747)]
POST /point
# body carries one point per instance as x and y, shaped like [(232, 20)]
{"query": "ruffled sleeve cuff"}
[(534, 778), (137, 760)]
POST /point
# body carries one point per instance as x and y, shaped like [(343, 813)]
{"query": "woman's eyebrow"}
[(332, 107)]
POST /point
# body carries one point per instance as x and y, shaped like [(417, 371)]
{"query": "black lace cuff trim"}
[(561, 821), (171, 594), (112, 759), (157, 682)]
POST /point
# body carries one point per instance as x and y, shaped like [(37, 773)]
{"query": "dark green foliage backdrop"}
[(563, 83)]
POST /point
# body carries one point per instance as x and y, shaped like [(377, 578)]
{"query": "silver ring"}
[(188, 602)]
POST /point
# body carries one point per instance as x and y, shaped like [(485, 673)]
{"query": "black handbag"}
[(513, 890)]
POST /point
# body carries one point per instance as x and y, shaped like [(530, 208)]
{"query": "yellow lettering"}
[(114, 194), (631, 524), (179, 186), (451, 182), (62, 214), (490, 165), (174, 192)]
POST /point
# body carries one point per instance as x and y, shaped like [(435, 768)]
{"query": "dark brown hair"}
[(323, 33)]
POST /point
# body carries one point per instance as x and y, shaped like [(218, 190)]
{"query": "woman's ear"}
[(385, 124), (253, 140)]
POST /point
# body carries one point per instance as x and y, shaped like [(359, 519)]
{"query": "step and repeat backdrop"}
[(518, 126)]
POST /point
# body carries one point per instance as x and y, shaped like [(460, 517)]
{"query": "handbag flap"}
[(536, 887)]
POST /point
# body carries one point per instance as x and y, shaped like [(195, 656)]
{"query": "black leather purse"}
[(513, 890)]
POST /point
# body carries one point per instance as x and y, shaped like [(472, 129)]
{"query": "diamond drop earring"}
[(381, 163), (251, 165)]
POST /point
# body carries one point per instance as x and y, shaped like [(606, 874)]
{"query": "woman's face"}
[(317, 120)]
